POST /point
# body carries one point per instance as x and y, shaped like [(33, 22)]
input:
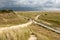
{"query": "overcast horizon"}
[(29, 5)]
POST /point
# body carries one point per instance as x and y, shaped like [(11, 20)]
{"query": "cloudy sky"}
[(30, 4)]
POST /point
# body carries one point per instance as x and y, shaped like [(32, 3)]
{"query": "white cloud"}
[(57, 1), (27, 3), (31, 3), (35, 3), (51, 9)]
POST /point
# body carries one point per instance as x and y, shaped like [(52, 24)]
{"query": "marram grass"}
[(14, 34)]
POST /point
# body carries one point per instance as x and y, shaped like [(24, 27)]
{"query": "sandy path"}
[(32, 37), (17, 26), (48, 27), (20, 25)]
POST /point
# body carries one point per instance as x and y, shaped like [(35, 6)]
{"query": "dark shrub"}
[(45, 14), (6, 11)]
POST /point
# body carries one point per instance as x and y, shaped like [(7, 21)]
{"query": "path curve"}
[(20, 25), (17, 26)]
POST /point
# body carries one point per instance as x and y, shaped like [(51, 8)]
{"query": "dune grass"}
[(10, 18), (43, 33), (15, 34), (24, 33)]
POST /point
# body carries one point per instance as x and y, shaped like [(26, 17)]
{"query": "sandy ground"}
[(32, 37), (17, 26)]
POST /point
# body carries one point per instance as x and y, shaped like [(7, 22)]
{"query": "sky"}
[(25, 5)]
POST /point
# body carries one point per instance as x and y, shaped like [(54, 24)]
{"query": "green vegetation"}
[(6, 11), (12, 18), (40, 32)]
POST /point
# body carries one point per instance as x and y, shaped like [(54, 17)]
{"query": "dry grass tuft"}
[(14, 34)]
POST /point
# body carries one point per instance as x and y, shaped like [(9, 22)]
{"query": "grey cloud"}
[(33, 4)]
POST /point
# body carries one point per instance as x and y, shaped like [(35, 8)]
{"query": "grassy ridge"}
[(10, 18)]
